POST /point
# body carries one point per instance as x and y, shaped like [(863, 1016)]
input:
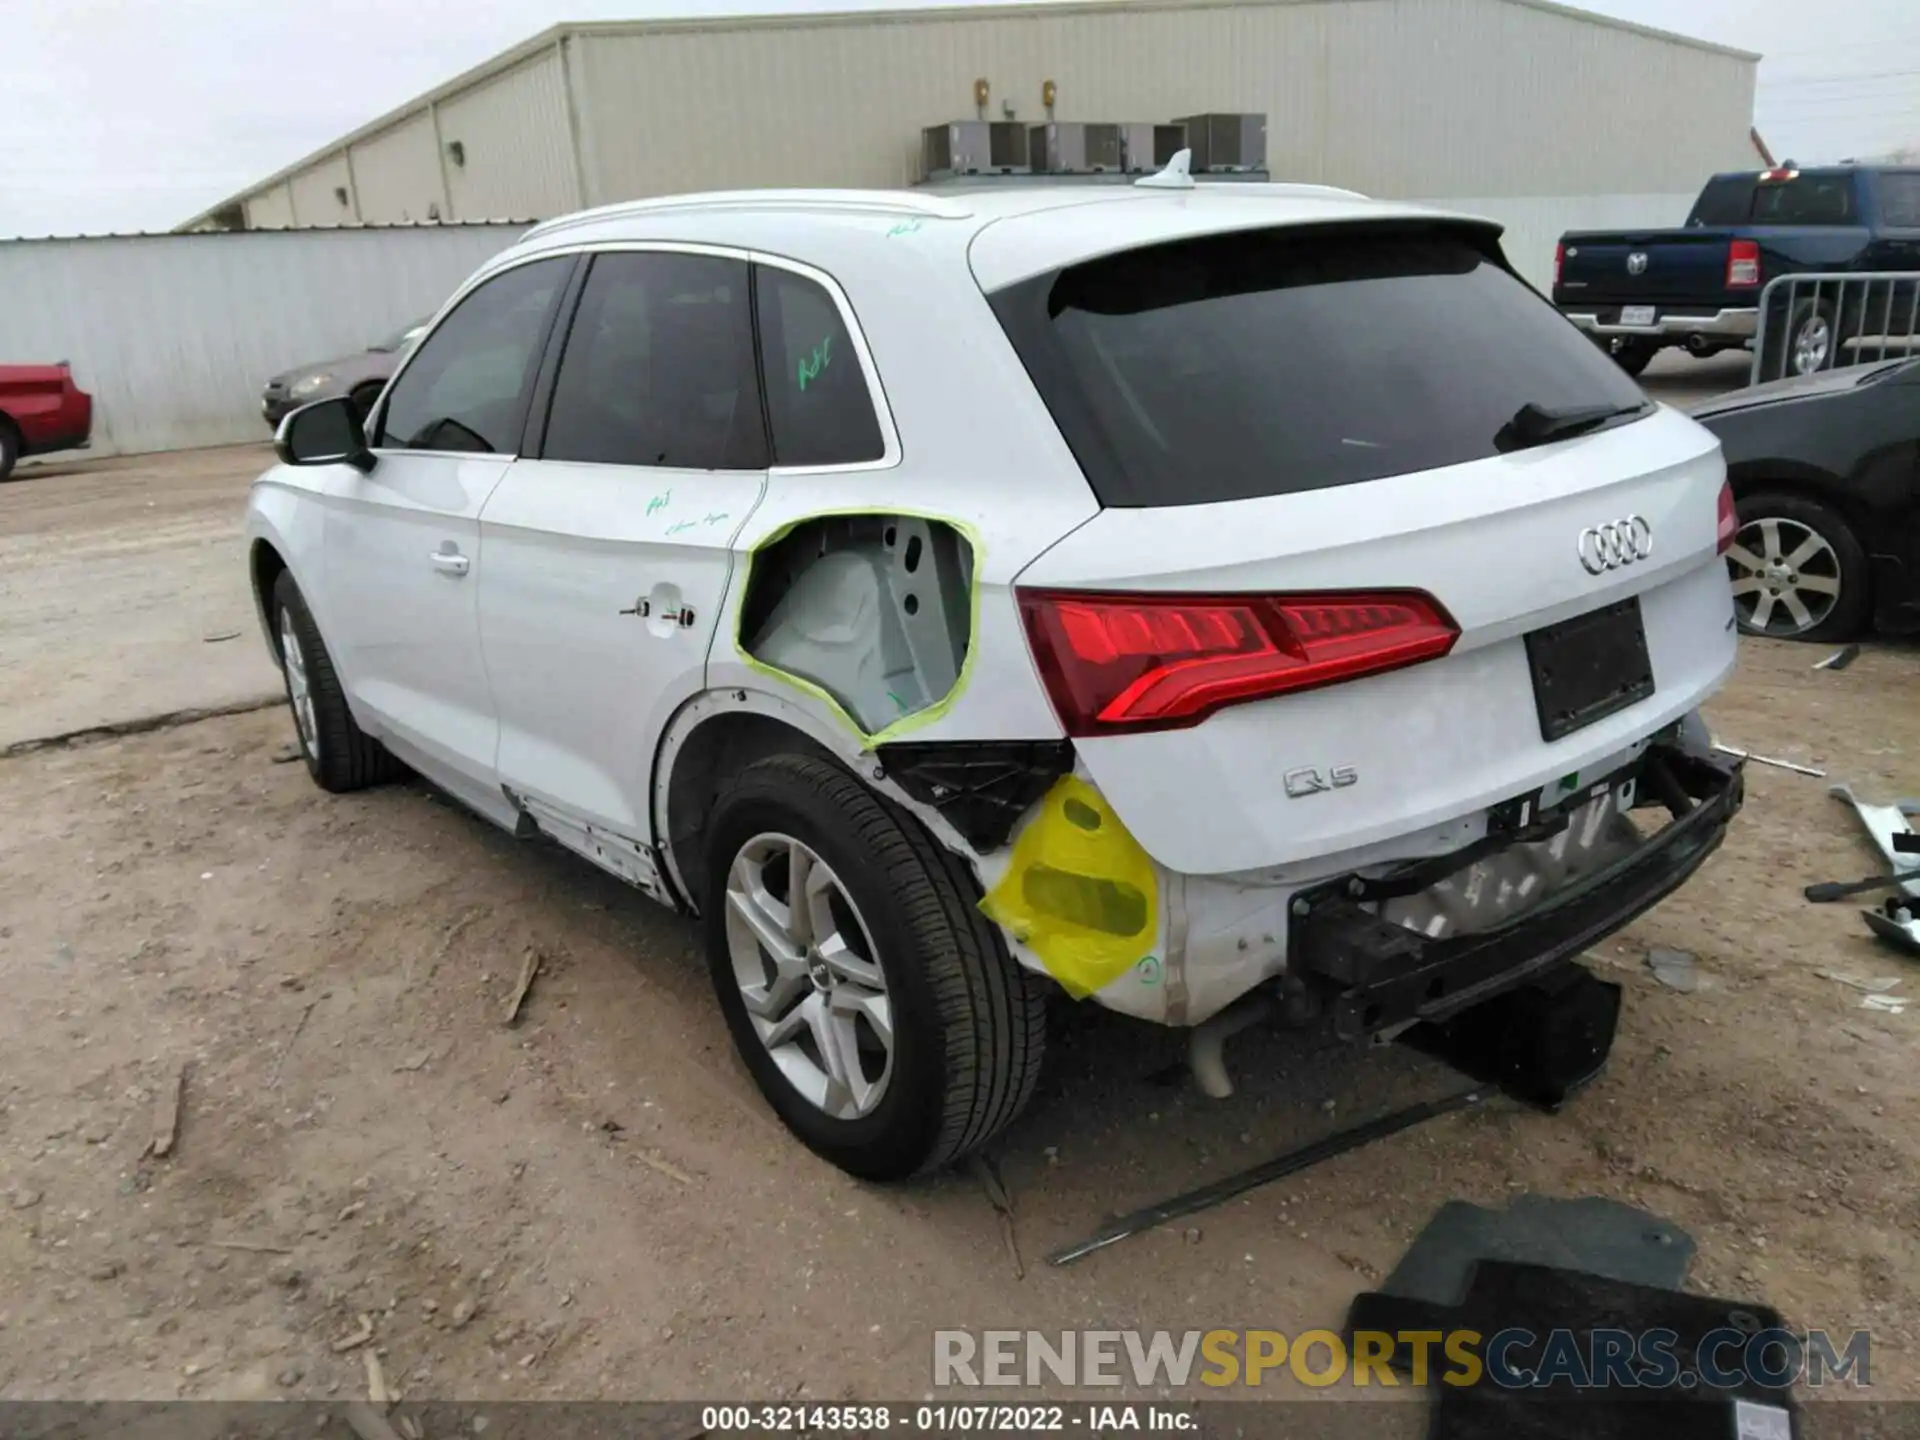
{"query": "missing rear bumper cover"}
[(1381, 970)]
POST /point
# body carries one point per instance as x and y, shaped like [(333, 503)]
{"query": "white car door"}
[(608, 556), (402, 543)]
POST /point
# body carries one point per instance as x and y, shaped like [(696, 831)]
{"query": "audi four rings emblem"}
[(1615, 544)]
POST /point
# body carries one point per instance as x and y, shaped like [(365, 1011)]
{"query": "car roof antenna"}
[(1177, 176)]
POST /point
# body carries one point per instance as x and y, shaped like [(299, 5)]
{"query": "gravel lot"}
[(596, 1203)]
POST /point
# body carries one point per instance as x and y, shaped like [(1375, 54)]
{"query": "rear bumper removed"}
[(1732, 326), (1373, 974)]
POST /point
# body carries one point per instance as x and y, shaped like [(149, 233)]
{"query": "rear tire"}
[(9, 448), (965, 1025), (339, 755), (1798, 571), (1809, 343)]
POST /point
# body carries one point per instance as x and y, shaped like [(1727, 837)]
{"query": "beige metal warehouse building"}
[(1542, 116)]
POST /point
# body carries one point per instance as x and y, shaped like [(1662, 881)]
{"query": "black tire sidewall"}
[(895, 1139), (288, 601), (9, 450), (1856, 579)]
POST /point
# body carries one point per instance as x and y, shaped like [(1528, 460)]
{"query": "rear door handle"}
[(450, 562)]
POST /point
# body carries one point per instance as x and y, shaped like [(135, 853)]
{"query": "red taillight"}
[(1743, 264), (1115, 663), (1559, 259), (1729, 521)]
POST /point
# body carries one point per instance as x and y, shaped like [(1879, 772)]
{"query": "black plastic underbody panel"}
[(981, 787), (1382, 974)]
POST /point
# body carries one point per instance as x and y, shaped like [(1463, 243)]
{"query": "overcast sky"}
[(119, 115)]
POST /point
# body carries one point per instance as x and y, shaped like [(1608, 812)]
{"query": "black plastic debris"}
[(1567, 1355), (1588, 1233), (1539, 1043)]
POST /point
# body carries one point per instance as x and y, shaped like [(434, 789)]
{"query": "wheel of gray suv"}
[(1798, 570), (9, 448), (874, 1005), (339, 755), (364, 397)]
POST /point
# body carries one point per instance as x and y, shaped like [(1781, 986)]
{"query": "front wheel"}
[(1798, 570), (875, 1006), (339, 755)]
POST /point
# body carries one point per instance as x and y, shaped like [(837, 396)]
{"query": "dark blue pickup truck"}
[(1637, 291)]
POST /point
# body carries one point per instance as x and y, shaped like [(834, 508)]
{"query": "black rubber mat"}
[(1553, 1379), (1591, 1234)]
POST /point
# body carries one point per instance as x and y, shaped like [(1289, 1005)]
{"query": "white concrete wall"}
[(174, 335)]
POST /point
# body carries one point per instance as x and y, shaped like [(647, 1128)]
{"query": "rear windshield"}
[(1275, 361), (1816, 197)]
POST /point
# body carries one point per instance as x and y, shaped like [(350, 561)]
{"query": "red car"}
[(41, 409)]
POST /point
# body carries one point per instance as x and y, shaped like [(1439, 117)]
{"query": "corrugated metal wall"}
[(1398, 98), (270, 209), (175, 334), (516, 142), (1393, 97), (323, 195), (398, 174)]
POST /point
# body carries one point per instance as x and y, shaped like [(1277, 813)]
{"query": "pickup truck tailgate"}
[(1627, 268)]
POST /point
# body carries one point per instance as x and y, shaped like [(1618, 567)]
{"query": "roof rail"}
[(850, 202)]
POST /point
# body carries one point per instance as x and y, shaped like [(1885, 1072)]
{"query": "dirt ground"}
[(116, 578), (595, 1202)]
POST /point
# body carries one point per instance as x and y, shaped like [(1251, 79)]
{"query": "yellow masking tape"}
[(1079, 891)]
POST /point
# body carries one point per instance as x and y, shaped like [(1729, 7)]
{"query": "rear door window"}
[(817, 396), (658, 368), (1900, 199), (1275, 361)]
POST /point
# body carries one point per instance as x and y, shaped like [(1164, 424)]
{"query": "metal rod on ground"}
[(1265, 1173), (1769, 760)]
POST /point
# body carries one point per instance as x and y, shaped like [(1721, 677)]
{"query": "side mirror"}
[(327, 432)]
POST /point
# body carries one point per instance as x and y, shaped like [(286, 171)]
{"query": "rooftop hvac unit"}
[(1070, 148), (1227, 142), (975, 147), (1146, 147)]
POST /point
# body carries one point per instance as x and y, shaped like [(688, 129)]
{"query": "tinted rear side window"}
[(1900, 199), (1727, 200), (658, 368), (1276, 361), (817, 395)]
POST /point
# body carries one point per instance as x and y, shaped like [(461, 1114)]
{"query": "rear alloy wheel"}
[(1798, 571), (875, 1006), (339, 755)]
